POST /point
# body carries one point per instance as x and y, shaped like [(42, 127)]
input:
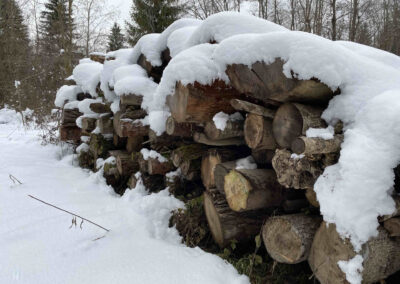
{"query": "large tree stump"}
[(214, 157), (203, 139), (381, 256), (187, 153), (309, 146), (184, 129), (220, 171), (240, 105), (288, 238), (227, 225), (258, 132), (198, 103), (247, 190), (232, 129), (292, 120), (267, 82)]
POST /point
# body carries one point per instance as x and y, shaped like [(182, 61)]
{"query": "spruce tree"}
[(116, 38), (151, 16)]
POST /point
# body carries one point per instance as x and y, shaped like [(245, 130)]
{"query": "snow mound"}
[(146, 45), (177, 41), (221, 118), (66, 94), (87, 76), (247, 163)]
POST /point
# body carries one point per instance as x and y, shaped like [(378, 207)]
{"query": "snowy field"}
[(37, 245)]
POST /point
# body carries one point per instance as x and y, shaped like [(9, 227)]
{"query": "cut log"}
[(105, 124), (240, 105), (133, 114), (111, 175), (247, 190), (86, 160), (309, 146), (203, 139), (131, 100), (88, 124), (69, 117), (100, 108), (262, 157), (70, 133), (393, 226), (187, 153), (299, 172), (233, 129), (268, 82), (132, 128), (184, 129), (215, 156), (381, 256), (258, 132), (134, 143), (99, 146), (155, 167), (164, 142), (292, 120), (312, 197), (288, 238), (225, 224), (221, 170), (191, 169), (127, 164), (97, 57), (143, 165), (198, 103), (153, 71)]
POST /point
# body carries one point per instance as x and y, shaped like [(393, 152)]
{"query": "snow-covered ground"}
[(37, 245)]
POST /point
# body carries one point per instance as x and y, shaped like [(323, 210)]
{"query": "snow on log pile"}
[(256, 118)]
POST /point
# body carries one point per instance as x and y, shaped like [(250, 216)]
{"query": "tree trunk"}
[(99, 108), (240, 105), (233, 129), (247, 190), (187, 153), (309, 146), (381, 256), (225, 224), (198, 103), (203, 139), (292, 120), (212, 158), (288, 238), (184, 130), (393, 226), (267, 82), (155, 167), (258, 132)]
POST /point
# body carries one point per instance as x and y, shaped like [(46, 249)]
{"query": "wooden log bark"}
[(225, 224), (70, 133), (247, 190), (143, 165), (69, 117), (99, 146), (184, 129), (88, 124), (203, 139), (97, 57), (381, 256), (198, 103), (241, 105), (155, 167), (392, 226), (221, 170), (262, 157), (258, 132), (233, 129), (164, 142), (215, 156), (132, 128), (292, 120), (191, 169), (133, 114), (127, 164), (105, 124), (134, 143), (309, 146), (100, 108), (187, 153), (288, 238), (131, 100), (267, 82)]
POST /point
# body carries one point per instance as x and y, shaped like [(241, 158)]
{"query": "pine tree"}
[(116, 38), (151, 16), (14, 52)]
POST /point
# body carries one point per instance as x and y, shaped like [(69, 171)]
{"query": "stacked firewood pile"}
[(198, 157)]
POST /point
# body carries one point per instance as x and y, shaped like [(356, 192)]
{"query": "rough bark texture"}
[(241, 105), (258, 132), (203, 139), (288, 238), (187, 152), (225, 224), (220, 171), (99, 146), (263, 157), (309, 146), (131, 128), (381, 256), (267, 82), (292, 120), (127, 164), (198, 103), (232, 129), (184, 129), (155, 167), (247, 190)]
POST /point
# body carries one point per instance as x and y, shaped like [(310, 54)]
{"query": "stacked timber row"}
[(256, 172)]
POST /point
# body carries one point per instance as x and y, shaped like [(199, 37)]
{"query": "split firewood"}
[(143, 165), (247, 190), (227, 225), (292, 120), (133, 114), (381, 256), (268, 82), (70, 133), (215, 156), (288, 238), (132, 128), (88, 124), (392, 226), (220, 171), (198, 103), (187, 153), (240, 105), (184, 129), (131, 100), (111, 174), (69, 117), (258, 132), (100, 108), (233, 129), (191, 169), (203, 139), (105, 124), (127, 164), (309, 146)]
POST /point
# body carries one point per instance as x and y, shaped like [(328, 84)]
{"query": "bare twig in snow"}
[(14, 179)]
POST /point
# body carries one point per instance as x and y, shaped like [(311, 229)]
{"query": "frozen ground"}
[(37, 245)]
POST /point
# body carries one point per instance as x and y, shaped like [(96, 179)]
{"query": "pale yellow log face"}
[(237, 190)]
